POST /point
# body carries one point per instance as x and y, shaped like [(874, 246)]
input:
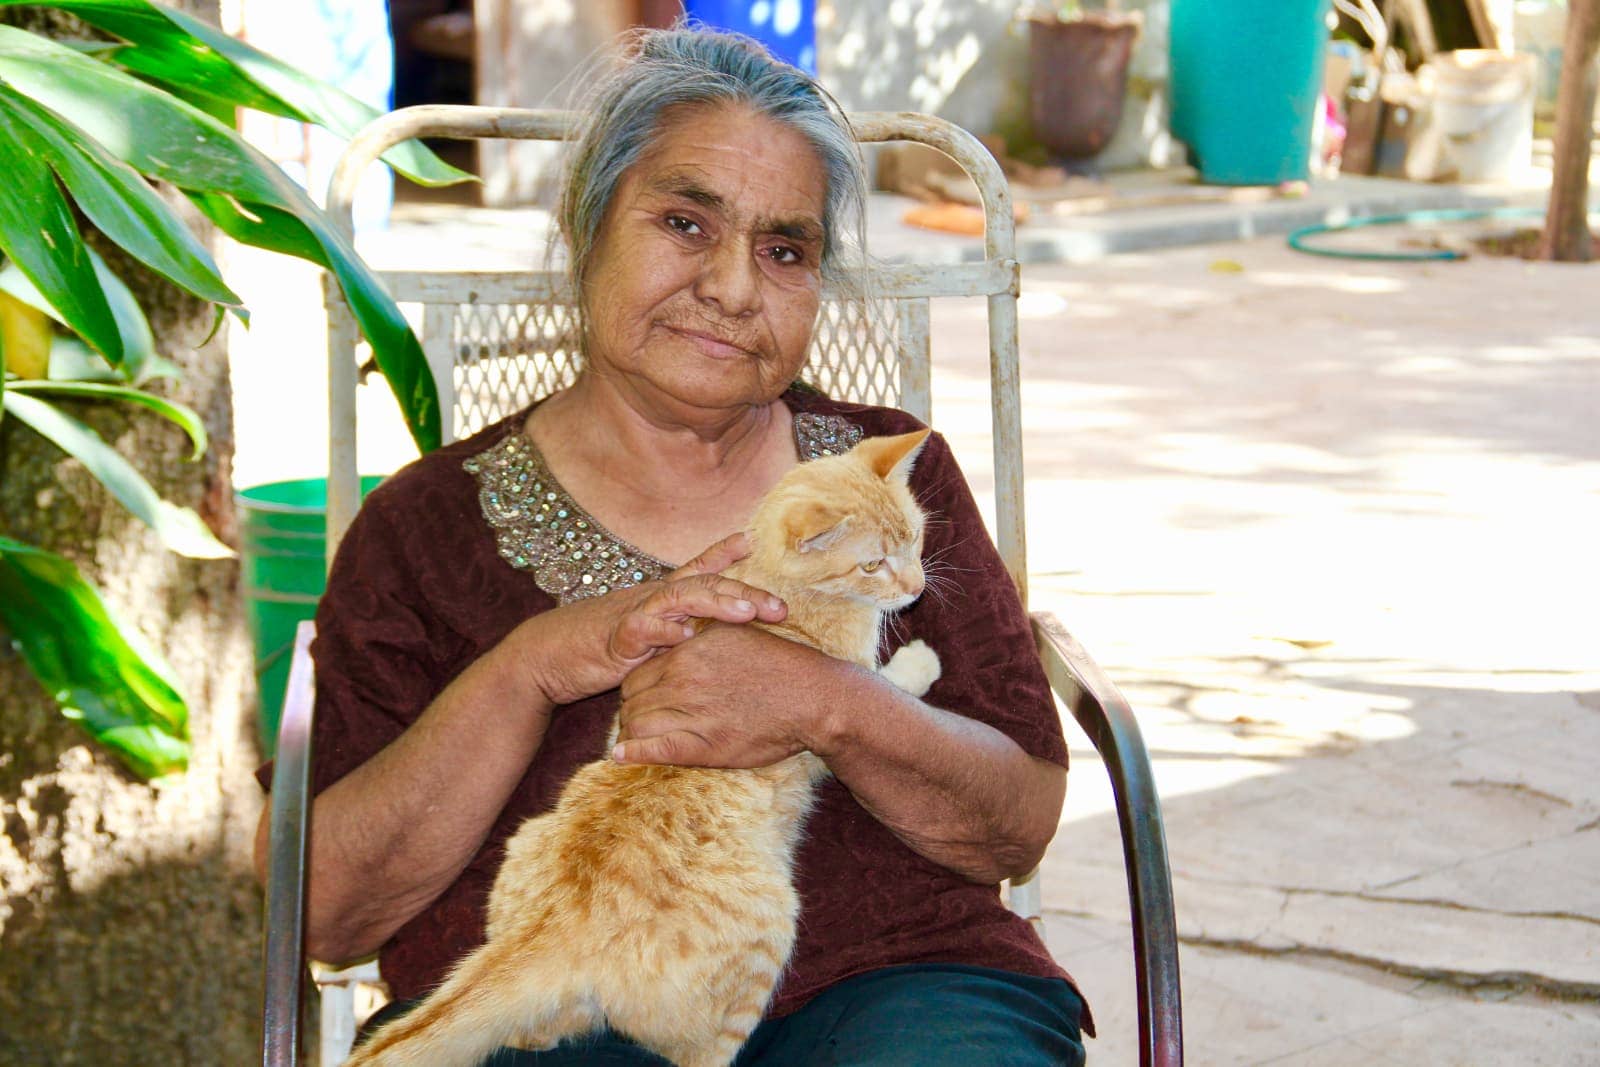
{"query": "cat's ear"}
[(891, 457), (813, 527)]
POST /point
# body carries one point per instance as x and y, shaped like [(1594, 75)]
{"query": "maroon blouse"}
[(419, 591)]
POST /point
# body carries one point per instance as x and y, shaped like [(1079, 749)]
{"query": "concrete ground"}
[(1330, 526)]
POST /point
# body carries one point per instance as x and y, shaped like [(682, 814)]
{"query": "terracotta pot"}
[(1078, 76)]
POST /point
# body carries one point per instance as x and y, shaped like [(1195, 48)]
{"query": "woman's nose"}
[(730, 279)]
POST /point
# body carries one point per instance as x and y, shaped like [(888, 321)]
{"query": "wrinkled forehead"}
[(727, 156)]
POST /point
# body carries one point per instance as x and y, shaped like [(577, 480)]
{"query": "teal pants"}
[(924, 1015)]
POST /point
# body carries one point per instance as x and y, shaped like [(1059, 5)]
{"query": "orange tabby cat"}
[(660, 900)]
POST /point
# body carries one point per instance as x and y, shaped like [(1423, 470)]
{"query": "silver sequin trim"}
[(540, 528)]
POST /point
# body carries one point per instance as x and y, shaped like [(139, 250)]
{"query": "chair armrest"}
[(1105, 716), (286, 864)]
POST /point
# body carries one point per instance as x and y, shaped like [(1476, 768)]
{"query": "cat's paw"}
[(914, 668)]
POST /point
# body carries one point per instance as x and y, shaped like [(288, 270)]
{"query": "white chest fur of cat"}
[(660, 901)]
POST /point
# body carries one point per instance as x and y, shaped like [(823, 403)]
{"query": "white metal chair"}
[(495, 341)]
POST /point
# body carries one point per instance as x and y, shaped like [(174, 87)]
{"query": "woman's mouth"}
[(711, 344)]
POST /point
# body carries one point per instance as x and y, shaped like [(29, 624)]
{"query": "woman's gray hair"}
[(669, 69)]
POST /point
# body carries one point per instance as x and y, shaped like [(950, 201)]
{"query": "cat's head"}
[(847, 526)]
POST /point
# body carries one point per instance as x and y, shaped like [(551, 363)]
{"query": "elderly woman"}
[(463, 672)]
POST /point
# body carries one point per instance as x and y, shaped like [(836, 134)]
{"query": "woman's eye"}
[(688, 227), (871, 565)]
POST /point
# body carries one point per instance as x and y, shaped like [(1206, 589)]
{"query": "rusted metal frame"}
[(283, 955), (468, 122), (999, 230), (344, 481), (428, 120), (461, 122), (438, 345), (913, 343), (479, 287), (891, 282), (1106, 717), (1005, 398), (900, 280), (999, 245)]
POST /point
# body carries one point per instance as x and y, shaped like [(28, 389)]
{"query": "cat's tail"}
[(494, 997)]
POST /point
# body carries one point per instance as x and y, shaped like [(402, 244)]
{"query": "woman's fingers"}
[(718, 557), (640, 633), (680, 748), (665, 617), (712, 596)]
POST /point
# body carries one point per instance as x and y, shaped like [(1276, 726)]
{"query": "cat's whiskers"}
[(938, 588)]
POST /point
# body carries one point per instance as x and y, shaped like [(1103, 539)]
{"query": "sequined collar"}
[(540, 528)]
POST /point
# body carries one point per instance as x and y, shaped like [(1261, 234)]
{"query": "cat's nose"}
[(912, 583)]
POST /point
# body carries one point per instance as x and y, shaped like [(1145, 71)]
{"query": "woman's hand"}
[(590, 646), (735, 696)]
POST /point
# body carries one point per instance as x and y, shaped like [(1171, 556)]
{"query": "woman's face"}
[(703, 286)]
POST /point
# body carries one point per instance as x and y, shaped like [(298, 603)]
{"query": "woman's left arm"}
[(954, 789)]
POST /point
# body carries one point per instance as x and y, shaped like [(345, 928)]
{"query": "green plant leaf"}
[(180, 529), (73, 361), (155, 68), (181, 51), (168, 139), (98, 49), (103, 677), (402, 363), (276, 231), (138, 340), (139, 357), (121, 204), (185, 417), (40, 236)]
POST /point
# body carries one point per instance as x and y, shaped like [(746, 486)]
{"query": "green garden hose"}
[(1297, 239)]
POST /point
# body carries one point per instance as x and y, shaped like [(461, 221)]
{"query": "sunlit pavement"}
[(1331, 527)]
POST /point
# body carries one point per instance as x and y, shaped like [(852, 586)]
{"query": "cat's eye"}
[(871, 565)]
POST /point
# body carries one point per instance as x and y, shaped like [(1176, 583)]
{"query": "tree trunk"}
[(1566, 228), (129, 921)]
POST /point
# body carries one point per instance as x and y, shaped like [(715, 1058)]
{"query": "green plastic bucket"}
[(282, 541), (1246, 81)]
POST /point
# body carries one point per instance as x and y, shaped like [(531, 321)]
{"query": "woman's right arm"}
[(392, 835)]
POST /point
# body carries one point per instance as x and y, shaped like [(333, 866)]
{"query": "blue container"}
[(787, 27), (1246, 81)]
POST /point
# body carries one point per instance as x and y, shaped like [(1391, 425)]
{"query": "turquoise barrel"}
[(282, 549), (1246, 82)]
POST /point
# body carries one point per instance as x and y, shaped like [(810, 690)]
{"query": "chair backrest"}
[(496, 341)]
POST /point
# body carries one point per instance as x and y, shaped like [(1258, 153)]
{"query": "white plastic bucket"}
[(1482, 112)]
